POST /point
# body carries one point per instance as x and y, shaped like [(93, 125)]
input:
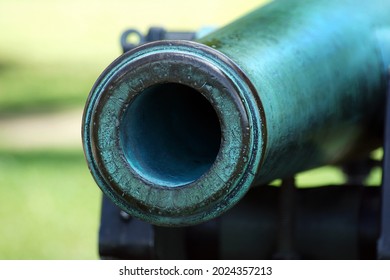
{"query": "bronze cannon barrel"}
[(176, 132)]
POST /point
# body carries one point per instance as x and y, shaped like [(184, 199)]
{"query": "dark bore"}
[(170, 134)]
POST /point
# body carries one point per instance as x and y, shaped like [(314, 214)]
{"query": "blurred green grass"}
[(32, 88), (49, 206)]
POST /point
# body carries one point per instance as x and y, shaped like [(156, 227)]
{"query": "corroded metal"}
[(176, 132)]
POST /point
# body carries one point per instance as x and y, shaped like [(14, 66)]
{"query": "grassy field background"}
[(51, 52), (49, 206)]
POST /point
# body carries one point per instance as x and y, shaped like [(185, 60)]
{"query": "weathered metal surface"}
[(176, 132)]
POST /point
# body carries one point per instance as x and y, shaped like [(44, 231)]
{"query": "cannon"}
[(176, 132)]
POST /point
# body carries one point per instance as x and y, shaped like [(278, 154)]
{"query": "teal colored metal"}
[(176, 132)]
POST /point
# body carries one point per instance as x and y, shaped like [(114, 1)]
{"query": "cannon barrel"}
[(176, 132)]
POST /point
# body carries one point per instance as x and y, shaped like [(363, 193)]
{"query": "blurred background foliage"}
[(51, 52)]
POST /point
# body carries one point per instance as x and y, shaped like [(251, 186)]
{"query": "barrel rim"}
[(241, 93)]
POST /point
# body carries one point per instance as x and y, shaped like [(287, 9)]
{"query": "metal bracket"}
[(154, 34)]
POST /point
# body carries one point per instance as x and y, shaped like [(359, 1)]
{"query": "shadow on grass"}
[(43, 88)]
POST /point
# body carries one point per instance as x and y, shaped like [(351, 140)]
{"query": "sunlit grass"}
[(49, 206), (333, 175)]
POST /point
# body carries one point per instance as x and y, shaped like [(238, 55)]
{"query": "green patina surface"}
[(295, 85), (320, 74), (165, 199)]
